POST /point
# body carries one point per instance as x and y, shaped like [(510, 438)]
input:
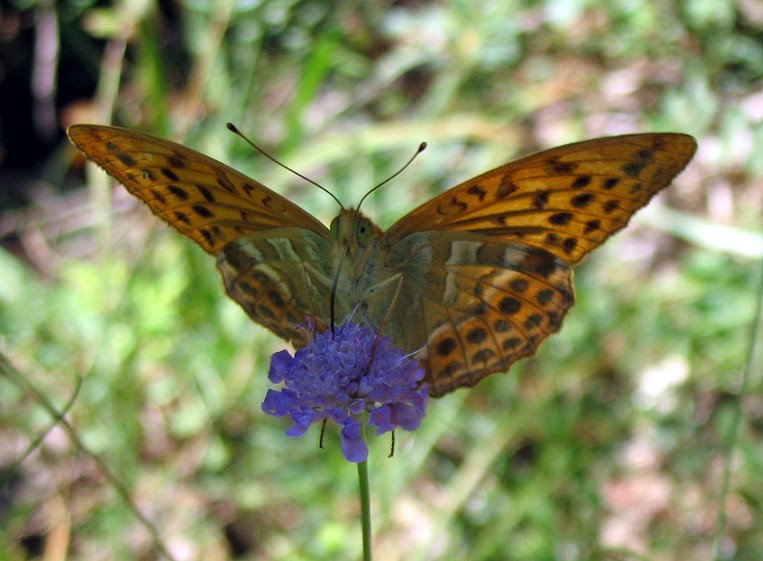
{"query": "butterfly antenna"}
[(422, 147), (233, 129)]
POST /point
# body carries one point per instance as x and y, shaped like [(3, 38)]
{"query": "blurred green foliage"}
[(609, 444)]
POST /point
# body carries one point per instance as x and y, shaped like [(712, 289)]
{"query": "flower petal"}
[(302, 421), (354, 447), (405, 416), (278, 403), (381, 418), (279, 366)]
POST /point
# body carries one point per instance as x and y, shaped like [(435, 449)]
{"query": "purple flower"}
[(343, 375)]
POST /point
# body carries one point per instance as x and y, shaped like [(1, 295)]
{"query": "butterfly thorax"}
[(355, 256)]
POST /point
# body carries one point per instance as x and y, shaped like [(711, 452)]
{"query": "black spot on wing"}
[(169, 174)]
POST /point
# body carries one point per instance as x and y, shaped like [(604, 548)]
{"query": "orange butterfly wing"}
[(566, 200), (492, 254), (262, 240), (206, 200)]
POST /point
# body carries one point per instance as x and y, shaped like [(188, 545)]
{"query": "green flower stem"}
[(365, 497), (365, 509)]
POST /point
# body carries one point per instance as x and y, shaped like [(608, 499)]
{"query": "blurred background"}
[(611, 443)]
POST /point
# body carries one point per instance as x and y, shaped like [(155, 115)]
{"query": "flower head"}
[(343, 375)]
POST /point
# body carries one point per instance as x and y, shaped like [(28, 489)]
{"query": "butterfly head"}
[(354, 231)]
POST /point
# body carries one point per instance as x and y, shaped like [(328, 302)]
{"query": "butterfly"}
[(470, 281)]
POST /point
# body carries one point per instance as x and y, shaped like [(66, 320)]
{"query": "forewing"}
[(203, 199), (566, 200)]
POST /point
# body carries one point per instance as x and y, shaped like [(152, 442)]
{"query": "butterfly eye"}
[(363, 231), (334, 226)]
